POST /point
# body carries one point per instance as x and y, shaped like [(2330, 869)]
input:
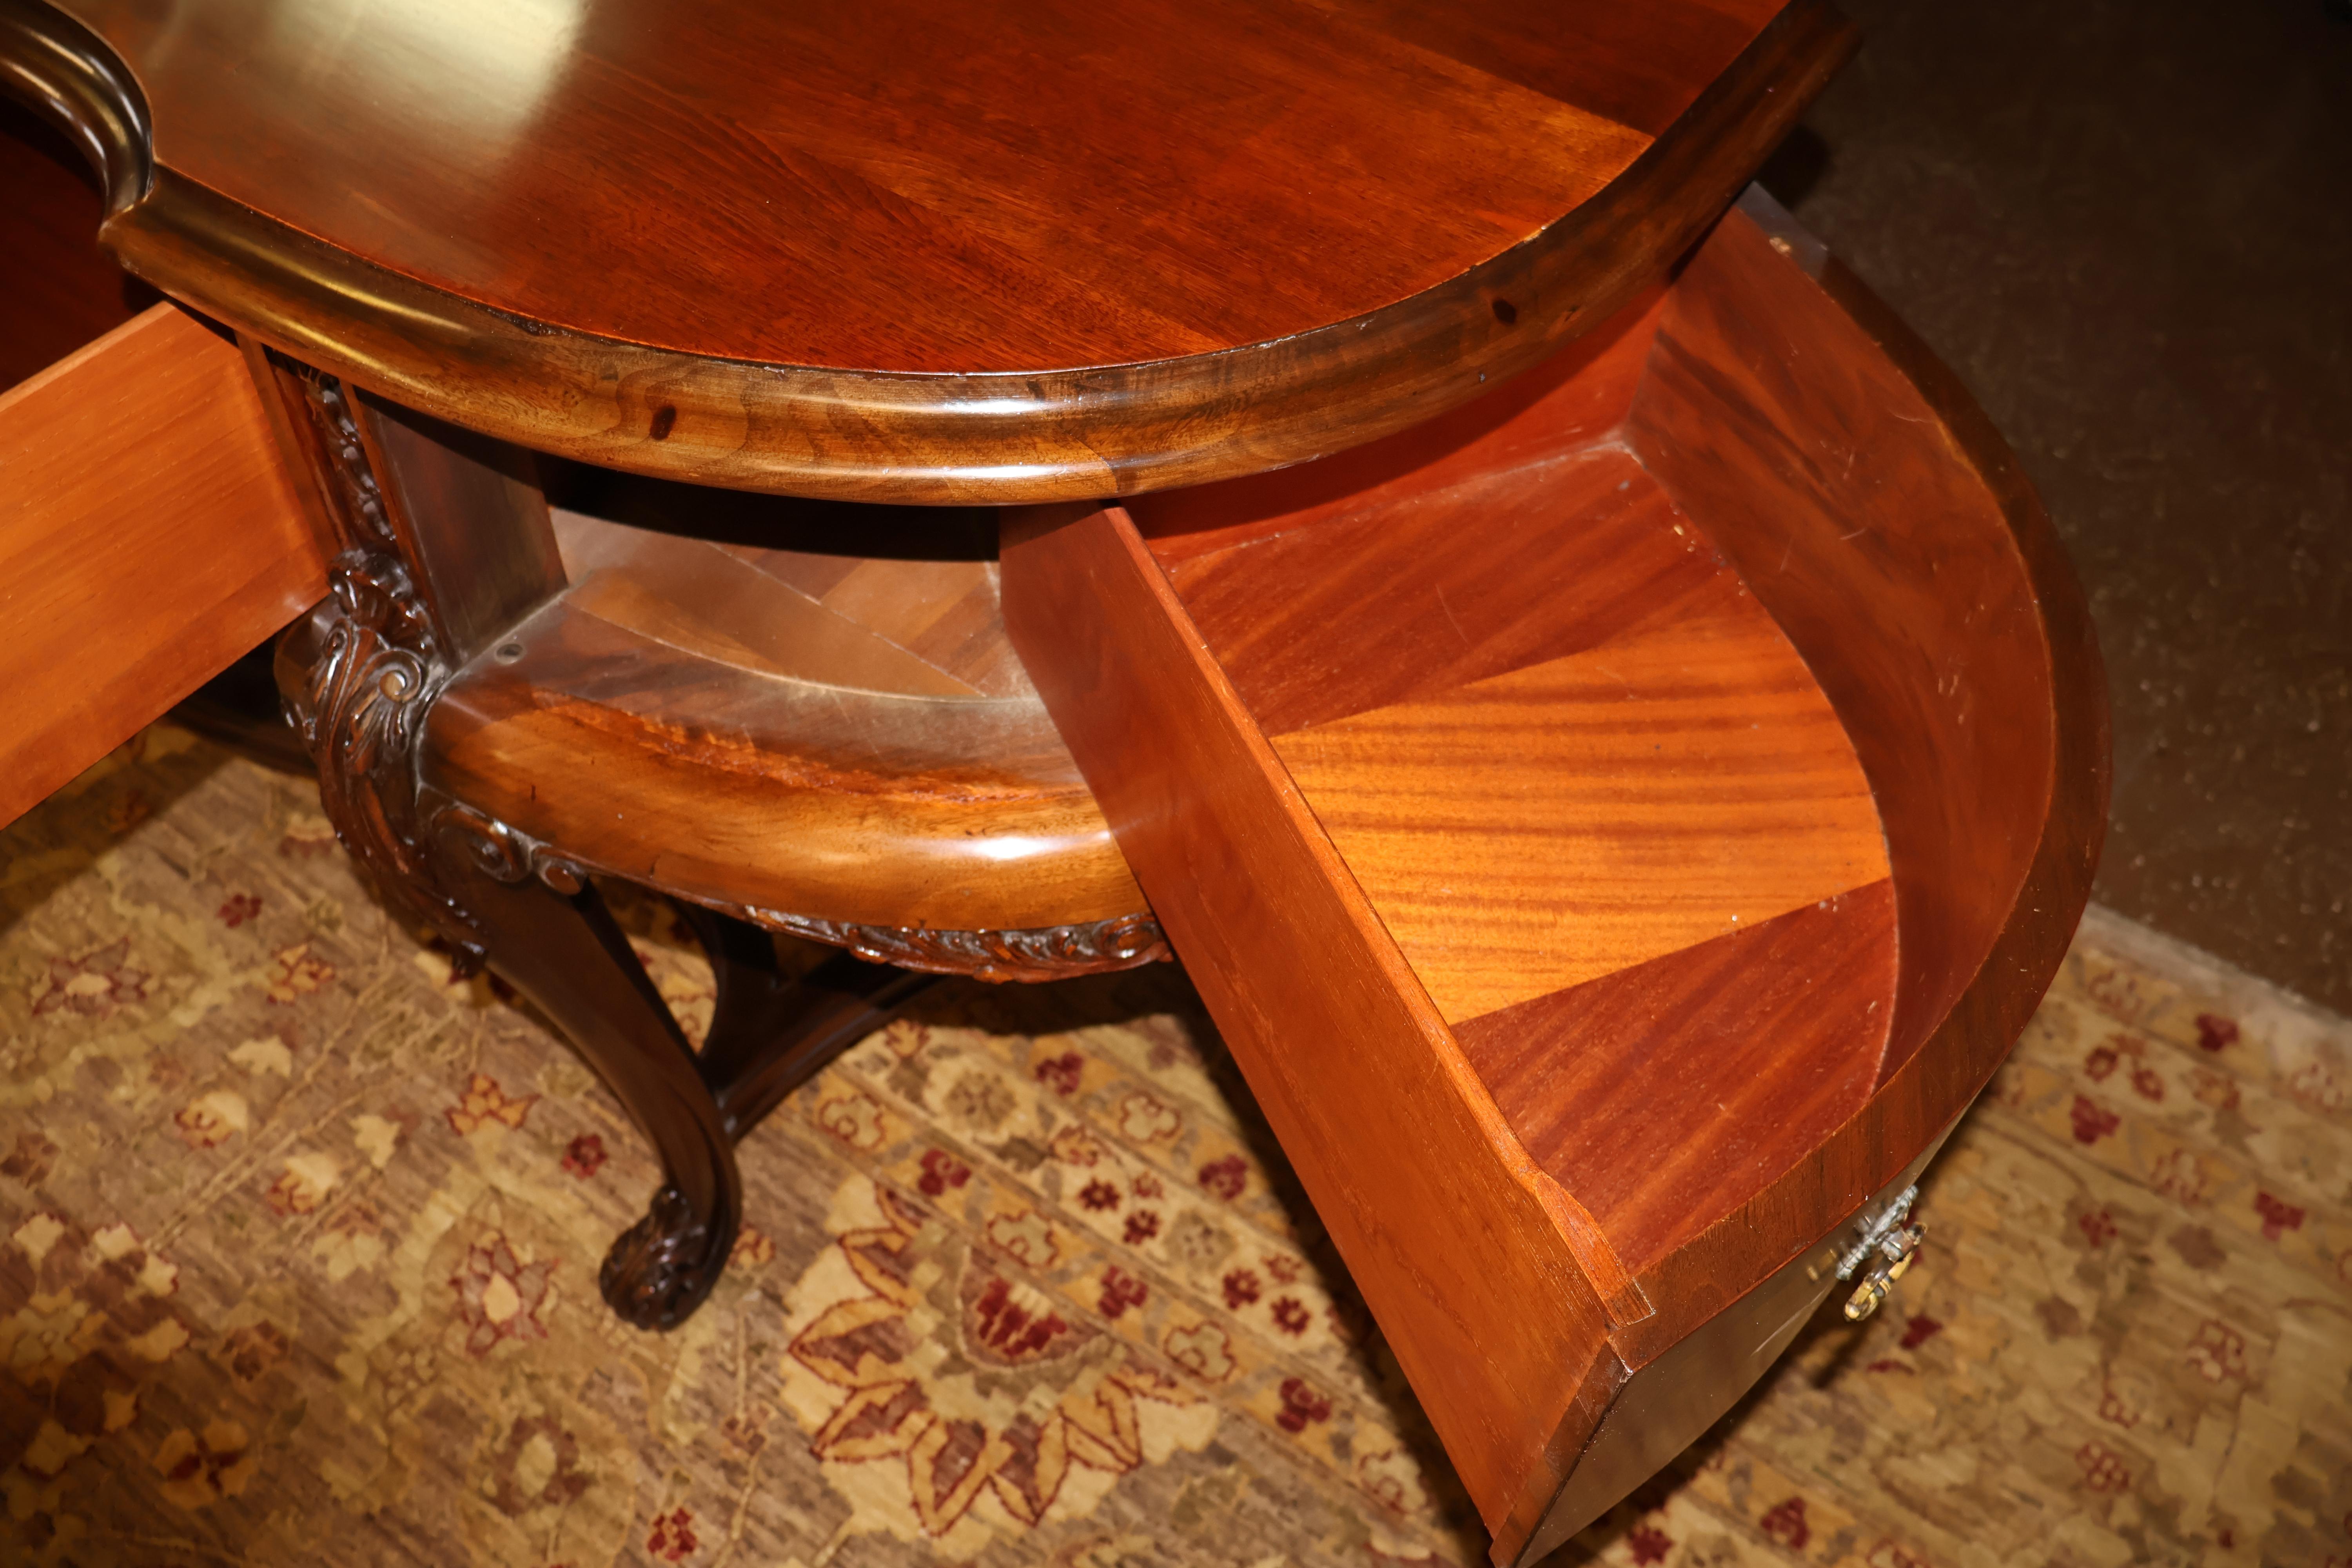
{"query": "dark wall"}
[(2128, 226)]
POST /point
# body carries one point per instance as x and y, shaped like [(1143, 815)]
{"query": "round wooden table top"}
[(998, 250)]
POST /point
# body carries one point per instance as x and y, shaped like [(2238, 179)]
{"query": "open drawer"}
[(149, 533), (1618, 828)]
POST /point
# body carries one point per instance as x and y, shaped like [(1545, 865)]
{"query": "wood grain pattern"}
[(902, 170), (1634, 64), (1541, 828), (1393, 600), (1241, 237), (1718, 1107), (1899, 584), (682, 718), (1491, 1284), (1665, 1092), (899, 171), (149, 535)]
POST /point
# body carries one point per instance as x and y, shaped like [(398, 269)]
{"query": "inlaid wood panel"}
[(1549, 729), (1538, 830), (1458, 665), (1664, 1092), (1389, 603), (910, 586), (702, 599)]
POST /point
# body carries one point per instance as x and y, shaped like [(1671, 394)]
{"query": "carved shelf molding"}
[(1043, 953)]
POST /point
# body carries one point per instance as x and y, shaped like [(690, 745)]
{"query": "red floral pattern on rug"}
[(672, 1539), (298, 1242), (875, 1402), (93, 985), (500, 1296)]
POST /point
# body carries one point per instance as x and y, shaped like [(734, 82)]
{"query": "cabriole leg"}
[(565, 952)]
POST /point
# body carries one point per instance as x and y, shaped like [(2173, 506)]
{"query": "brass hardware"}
[(1881, 1256)]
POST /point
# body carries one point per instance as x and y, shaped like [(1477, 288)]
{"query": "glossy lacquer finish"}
[(1617, 828), (918, 252), (781, 726)]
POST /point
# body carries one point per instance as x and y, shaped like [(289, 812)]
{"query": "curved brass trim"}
[(996, 438)]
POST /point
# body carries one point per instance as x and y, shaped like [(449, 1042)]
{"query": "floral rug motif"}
[(298, 1240)]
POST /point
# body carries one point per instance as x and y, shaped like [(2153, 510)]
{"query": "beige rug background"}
[(298, 1243)]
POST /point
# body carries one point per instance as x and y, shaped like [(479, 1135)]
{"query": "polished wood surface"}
[(795, 729), (865, 188), (58, 289), (1012, 253), (469, 513), (1607, 754), (1731, 639), (1492, 1286), (1922, 638), (149, 535)]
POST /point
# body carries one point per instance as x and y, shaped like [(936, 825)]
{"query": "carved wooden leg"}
[(423, 589), (552, 936), (358, 675), (770, 1032)]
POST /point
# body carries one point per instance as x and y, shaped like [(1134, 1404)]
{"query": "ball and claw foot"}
[(662, 1266)]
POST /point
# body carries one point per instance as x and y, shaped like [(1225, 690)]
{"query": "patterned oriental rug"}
[(298, 1242)]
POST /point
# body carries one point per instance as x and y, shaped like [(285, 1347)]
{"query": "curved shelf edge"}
[(1034, 954), (1060, 434)]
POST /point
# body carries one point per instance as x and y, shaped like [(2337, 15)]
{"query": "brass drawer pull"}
[(1880, 1255)]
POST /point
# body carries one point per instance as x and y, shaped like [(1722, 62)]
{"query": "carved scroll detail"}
[(338, 433), (374, 674), (1042, 952), (505, 854)]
